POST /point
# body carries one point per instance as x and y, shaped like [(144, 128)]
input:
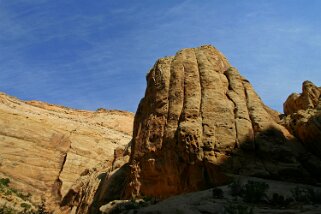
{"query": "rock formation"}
[(98, 185), (201, 120), (199, 125), (308, 99), (303, 116), (44, 148)]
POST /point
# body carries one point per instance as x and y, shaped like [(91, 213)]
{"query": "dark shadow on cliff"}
[(110, 188), (273, 156), (270, 156)]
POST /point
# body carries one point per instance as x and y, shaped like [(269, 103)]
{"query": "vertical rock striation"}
[(200, 120)]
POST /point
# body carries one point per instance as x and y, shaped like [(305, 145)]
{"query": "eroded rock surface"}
[(200, 120), (44, 147), (308, 99), (97, 185), (303, 116)]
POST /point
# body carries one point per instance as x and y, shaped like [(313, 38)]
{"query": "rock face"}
[(200, 120), (98, 185), (308, 99), (44, 147), (303, 116)]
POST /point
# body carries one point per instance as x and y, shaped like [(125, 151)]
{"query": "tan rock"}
[(199, 124), (199, 120), (309, 98), (97, 185), (44, 147), (304, 116)]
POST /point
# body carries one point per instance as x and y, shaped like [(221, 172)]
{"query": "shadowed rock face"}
[(304, 116), (200, 119), (96, 186)]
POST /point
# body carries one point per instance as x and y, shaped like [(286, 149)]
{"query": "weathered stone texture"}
[(303, 116), (44, 148), (199, 120)]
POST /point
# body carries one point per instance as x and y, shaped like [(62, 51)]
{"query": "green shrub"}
[(254, 191), (8, 192), (306, 195), (301, 194), (150, 200), (279, 200), (315, 196), (251, 192), (237, 209), (126, 206), (25, 206), (236, 188), (217, 193), (4, 181), (6, 210), (230, 69), (24, 196)]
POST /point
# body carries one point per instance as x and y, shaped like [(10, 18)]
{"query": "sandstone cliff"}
[(303, 116), (44, 148), (201, 120), (199, 124), (98, 185)]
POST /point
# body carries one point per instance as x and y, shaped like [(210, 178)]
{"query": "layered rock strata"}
[(44, 148), (95, 186)]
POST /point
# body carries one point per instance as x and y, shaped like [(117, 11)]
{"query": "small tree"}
[(4, 181), (255, 191)]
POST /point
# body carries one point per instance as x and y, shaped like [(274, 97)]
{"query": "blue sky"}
[(92, 54)]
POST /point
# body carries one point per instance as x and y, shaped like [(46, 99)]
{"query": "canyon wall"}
[(44, 148)]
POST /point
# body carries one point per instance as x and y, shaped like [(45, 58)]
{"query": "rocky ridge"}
[(303, 116), (199, 124), (44, 148), (199, 121)]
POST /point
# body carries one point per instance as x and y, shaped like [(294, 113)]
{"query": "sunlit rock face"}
[(44, 148), (303, 116), (201, 120)]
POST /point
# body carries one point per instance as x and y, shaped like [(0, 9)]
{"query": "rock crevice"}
[(42, 154), (199, 119)]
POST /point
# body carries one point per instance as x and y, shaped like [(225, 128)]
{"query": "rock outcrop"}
[(44, 148), (200, 121), (199, 125), (303, 116), (13, 201), (308, 99), (97, 185)]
